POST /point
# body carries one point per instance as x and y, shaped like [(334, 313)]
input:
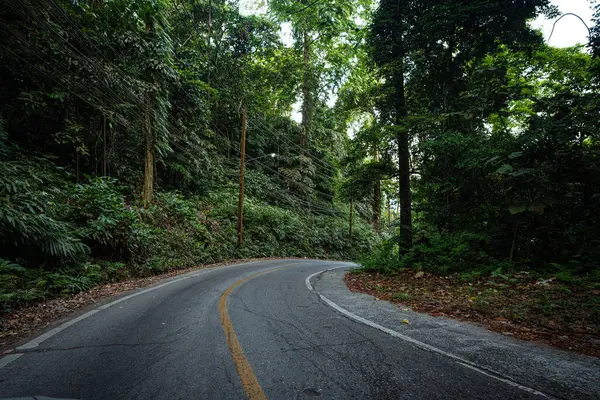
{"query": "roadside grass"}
[(403, 296)]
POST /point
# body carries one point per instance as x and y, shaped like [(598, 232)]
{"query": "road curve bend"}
[(252, 330)]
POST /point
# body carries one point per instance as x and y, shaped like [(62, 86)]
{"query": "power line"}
[(288, 199), (314, 158), (107, 94), (561, 17), (285, 178), (113, 97), (324, 177)]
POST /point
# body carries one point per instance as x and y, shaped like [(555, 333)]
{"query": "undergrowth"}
[(465, 254), (59, 238)]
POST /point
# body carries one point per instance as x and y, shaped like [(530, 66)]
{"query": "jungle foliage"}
[(491, 135), (440, 135), (120, 137)]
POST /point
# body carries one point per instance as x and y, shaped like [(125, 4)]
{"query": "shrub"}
[(88, 233), (31, 228), (433, 250), (98, 208), (382, 258)]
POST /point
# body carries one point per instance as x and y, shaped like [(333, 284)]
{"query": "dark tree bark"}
[(377, 206), (405, 241)]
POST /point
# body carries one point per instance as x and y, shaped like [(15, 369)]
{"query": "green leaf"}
[(504, 169), (517, 209)]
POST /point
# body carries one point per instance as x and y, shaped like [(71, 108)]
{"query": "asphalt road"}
[(272, 338)]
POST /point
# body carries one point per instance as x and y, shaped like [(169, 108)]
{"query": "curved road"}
[(252, 330)]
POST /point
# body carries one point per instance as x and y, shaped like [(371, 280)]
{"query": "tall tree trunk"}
[(405, 241), (306, 99), (377, 206), (149, 158)]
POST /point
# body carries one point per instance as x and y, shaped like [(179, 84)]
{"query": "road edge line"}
[(4, 361), (417, 343), (9, 358)]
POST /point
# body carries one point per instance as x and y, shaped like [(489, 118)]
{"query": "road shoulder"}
[(551, 371)]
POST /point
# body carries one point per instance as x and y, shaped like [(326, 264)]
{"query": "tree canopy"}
[(444, 134)]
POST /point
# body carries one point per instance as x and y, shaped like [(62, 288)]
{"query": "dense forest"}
[(440, 135)]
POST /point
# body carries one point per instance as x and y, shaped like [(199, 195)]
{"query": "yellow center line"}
[(245, 372)]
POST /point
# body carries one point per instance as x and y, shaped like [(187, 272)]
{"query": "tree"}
[(317, 25), (391, 28)]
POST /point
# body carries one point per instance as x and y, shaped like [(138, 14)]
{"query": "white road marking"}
[(36, 342), (421, 345), (4, 361)]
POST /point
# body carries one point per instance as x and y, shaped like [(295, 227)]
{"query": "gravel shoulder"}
[(559, 373)]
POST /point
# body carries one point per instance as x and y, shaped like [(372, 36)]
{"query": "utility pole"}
[(148, 188), (240, 224)]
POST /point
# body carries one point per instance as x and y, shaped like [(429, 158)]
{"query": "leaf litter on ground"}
[(564, 315)]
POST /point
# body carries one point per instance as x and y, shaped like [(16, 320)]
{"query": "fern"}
[(29, 208)]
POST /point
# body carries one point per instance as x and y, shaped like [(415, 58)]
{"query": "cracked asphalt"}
[(169, 343)]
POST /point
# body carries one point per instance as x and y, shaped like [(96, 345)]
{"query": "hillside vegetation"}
[(443, 137), (120, 133)]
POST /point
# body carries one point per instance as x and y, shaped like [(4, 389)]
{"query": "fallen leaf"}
[(419, 274), (405, 321)]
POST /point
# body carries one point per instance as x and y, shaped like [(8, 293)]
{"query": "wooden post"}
[(148, 188), (350, 225), (240, 224)]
